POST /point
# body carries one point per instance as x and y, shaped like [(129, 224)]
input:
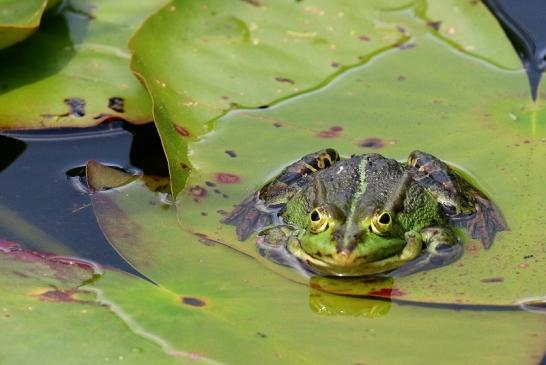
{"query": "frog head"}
[(368, 243)]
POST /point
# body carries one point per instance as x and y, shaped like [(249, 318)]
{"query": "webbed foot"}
[(249, 217)]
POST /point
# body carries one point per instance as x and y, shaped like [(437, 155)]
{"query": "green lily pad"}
[(220, 305), (45, 312), (431, 93), (253, 53), (74, 71), (19, 19)]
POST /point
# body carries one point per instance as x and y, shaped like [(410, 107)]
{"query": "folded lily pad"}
[(74, 71), (251, 54)]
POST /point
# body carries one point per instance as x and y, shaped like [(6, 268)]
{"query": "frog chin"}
[(344, 264)]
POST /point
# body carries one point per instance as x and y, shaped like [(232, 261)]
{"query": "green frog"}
[(366, 215)]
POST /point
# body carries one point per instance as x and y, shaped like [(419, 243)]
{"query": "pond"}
[(126, 260)]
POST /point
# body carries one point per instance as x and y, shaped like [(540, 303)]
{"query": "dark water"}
[(39, 171), (525, 25), (40, 180)]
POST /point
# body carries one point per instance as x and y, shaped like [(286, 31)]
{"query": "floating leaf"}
[(45, 312), (221, 305), (19, 19), (429, 93), (253, 53), (74, 71)]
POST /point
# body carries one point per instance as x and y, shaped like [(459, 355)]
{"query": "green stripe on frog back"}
[(349, 221)]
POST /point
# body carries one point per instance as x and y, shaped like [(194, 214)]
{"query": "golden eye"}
[(318, 220), (381, 223)]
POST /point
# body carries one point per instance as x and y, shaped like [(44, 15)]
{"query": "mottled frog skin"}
[(366, 214)]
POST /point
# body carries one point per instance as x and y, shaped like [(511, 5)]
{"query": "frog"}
[(366, 215)]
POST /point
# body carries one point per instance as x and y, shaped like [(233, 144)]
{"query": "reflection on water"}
[(328, 304)]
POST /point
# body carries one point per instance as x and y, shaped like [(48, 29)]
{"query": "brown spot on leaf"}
[(183, 165), (255, 3), (198, 192), (401, 78), (333, 132), (277, 125), (227, 178), (335, 64), (284, 79), (206, 240), (77, 106), (58, 295), (231, 153), (373, 143), (181, 130), (434, 25), (492, 280), (210, 184), (364, 38), (117, 104), (193, 301)]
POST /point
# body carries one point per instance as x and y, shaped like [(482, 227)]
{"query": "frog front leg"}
[(271, 244), (441, 248), (259, 210)]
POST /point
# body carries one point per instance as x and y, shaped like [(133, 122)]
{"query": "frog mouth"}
[(347, 265)]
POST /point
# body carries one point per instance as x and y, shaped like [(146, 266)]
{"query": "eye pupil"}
[(315, 216), (385, 218)]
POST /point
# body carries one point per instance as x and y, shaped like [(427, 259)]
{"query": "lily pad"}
[(73, 72), (220, 305), (253, 53), (45, 311), (19, 19), (429, 93)]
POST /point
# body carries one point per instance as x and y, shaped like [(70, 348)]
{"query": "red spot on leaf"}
[(7, 246), (226, 178), (198, 192), (387, 293), (333, 132), (181, 130)]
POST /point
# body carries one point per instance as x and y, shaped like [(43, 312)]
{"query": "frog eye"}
[(449, 208), (381, 223), (318, 220)]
